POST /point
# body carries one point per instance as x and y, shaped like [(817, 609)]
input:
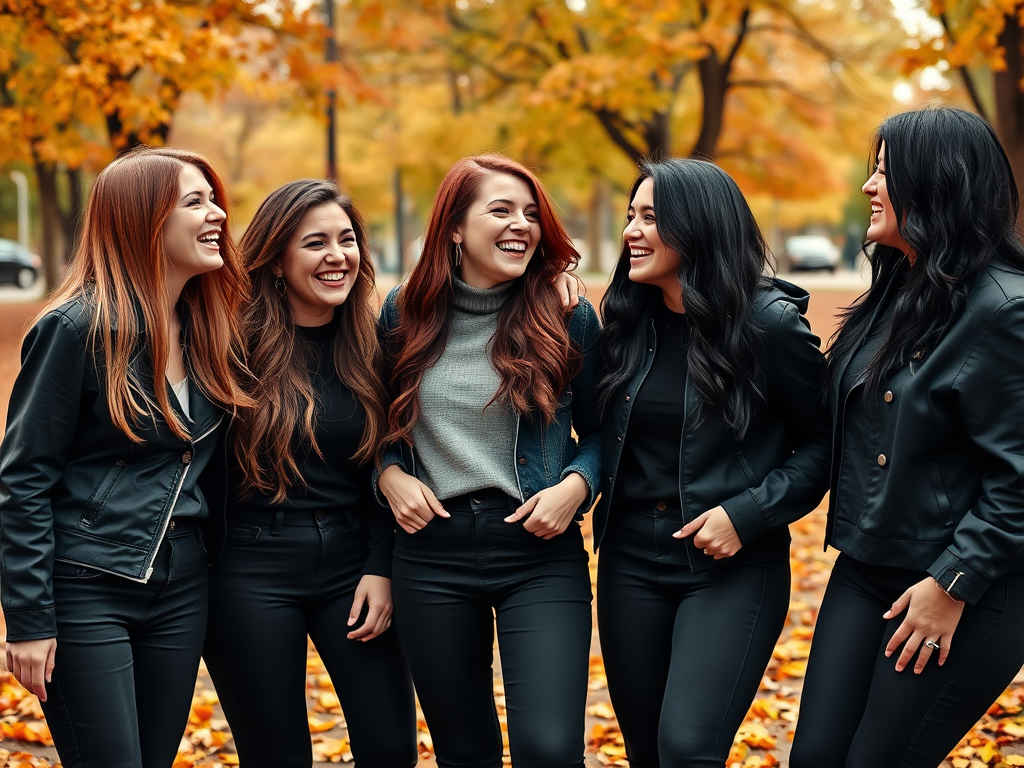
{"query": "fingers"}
[(433, 503), (524, 511), (692, 527), (358, 601), (899, 606), (371, 627)]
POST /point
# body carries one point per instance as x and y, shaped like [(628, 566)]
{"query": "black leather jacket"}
[(778, 472), (73, 487), (941, 487)]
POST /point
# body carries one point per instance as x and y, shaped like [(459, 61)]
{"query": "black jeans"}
[(127, 657), (453, 580), (684, 652), (283, 576), (856, 710)]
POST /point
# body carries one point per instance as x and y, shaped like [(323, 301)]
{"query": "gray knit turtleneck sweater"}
[(461, 446)]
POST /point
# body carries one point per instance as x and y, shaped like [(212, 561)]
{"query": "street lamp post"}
[(21, 182), (331, 55)]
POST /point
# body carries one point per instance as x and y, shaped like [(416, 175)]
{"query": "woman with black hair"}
[(715, 439), (927, 502)]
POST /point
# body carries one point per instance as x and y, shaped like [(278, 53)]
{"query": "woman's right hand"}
[(31, 662), (412, 502)]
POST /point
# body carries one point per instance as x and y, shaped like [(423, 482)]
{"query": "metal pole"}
[(331, 55), (21, 181)]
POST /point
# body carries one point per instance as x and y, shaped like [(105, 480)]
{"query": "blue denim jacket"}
[(545, 455)]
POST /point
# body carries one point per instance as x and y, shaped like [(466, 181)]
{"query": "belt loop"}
[(278, 524)]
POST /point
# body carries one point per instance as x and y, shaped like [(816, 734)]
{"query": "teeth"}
[(515, 247), (212, 237), (640, 252), (330, 277)]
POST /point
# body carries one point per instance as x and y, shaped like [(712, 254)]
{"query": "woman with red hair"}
[(489, 373), (125, 388)]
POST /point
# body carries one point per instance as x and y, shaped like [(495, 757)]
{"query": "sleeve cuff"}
[(958, 579), (593, 485), (31, 624), (746, 515)]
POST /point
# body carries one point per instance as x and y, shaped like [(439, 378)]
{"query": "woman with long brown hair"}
[(489, 372), (308, 551), (127, 381)]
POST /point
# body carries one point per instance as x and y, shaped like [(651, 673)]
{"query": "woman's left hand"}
[(931, 616), (716, 534), (550, 511), (570, 288), (375, 593)]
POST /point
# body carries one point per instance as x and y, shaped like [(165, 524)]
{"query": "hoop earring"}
[(280, 286), (458, 255)]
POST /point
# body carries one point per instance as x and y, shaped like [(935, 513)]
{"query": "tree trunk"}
[(714, 84), (54, 244), (659, 136), (1010, 99)]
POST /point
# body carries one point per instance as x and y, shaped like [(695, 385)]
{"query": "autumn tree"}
[(984, 43), (81, 81)]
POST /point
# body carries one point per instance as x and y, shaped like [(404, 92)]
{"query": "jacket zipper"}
[(519, 483), (174, 502)]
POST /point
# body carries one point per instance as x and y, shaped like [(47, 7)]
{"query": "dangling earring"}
[(458, 255), (280, 286)]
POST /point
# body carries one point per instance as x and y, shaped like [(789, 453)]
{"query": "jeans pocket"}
[(62, 570), (239, 534)]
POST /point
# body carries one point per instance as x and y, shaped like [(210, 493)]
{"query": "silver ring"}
[(705, 551), (932, 644)]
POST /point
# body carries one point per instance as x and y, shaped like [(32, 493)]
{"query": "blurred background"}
[(385, 94)]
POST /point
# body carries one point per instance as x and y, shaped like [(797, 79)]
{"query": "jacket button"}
[(186, 458), (887, 396), (618, 438), (661, 506), (650, 349), (522, 460), (882, 459), (627, 398)]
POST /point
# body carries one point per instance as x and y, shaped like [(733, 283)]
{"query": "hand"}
[(549, 512), (31, 662), (375, 593), (716, 534), (931, 615), (412, 502), (570, 288)]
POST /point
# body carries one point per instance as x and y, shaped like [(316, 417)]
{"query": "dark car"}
[(18, 265)]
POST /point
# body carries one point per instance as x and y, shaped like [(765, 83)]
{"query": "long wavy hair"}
[(120, 270), (280, 358), (701, 214), (956, 204), (531, 351)]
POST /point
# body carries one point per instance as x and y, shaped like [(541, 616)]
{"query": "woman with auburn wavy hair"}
[(127, 383), (489, 373), (308, 550)]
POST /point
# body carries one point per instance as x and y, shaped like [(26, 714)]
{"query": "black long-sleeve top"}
[(333, 481)]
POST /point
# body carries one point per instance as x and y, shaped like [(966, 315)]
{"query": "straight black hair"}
[(701, 214), (956, 203)]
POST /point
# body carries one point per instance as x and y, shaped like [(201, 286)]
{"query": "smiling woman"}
[(490, 373), (127, 383), (308, 551)]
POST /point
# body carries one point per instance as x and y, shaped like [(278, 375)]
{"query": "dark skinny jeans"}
[(857, 711), (454, 580), (283, 576), (684, 652), (127, 657)]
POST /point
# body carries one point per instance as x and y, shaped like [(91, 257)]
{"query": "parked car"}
[(18, 265), (812, 252)]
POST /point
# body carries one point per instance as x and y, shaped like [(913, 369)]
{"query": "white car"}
[(812, 252)]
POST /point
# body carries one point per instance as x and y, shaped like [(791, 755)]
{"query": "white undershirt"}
[(181, 392)]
